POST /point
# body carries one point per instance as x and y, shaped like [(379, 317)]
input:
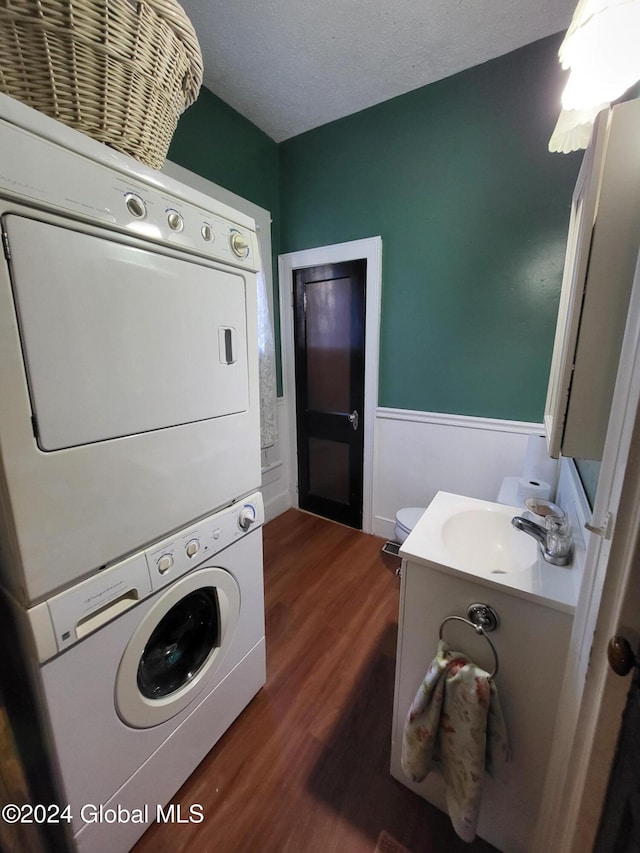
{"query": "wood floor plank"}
[(305, 768)]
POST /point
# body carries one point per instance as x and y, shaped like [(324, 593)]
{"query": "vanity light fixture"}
[(601, 52)]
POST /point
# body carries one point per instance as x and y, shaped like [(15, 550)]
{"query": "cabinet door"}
[(610, 273), (583, 212), (599, 269)]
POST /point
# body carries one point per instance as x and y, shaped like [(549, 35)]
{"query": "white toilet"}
[(406, 520)]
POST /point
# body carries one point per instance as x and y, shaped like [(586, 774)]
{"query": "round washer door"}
[(177, 648)]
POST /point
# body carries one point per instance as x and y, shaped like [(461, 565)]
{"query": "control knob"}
[(164, 563), (175, 220), (135, 205), (246, 517), (192, 548), (239, 245)]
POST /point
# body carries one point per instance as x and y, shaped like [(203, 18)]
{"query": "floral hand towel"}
[(455, 725)]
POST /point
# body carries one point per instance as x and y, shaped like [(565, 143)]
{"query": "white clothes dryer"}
[(129, 369), (144, 666)]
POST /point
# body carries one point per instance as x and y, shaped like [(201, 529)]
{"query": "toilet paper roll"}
[(538, 465), (533, 489)]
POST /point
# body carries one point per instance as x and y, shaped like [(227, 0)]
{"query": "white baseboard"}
[(384, 527), (276, 505)]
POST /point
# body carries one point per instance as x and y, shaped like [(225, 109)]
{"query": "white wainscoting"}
[(418, 454), (276, 480)]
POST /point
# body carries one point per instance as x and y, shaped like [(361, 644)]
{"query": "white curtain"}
[(267, 368)]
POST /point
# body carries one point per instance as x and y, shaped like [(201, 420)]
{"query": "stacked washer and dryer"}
[(130, 531)]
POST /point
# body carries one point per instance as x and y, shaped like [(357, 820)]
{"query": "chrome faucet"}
[(555, 543)]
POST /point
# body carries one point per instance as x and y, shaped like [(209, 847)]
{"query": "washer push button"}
[(164, 563), (192, 547)]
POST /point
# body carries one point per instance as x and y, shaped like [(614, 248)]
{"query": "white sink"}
[(484, 540), (474, 540), (472, 536)]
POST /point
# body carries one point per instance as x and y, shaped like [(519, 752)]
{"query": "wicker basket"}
[(119, 71)]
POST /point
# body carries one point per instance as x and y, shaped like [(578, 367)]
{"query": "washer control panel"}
[(173, 557), (71, 615)]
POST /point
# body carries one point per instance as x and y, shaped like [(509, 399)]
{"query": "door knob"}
[(353, 419), (620, 656)]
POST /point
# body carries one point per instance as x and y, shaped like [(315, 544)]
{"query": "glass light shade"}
[(601, 49), (573, 130)]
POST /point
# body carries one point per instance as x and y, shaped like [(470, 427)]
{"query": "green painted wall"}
[(216, 142), (473, 212), (472, 209)]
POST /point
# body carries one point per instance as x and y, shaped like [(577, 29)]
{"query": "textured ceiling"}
[(292, 65)]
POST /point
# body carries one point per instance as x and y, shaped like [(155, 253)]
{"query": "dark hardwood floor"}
[(305, 768)]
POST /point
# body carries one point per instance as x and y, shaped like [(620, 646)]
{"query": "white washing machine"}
[(143, 666)]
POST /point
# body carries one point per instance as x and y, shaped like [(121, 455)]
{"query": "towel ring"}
[(479, 630)]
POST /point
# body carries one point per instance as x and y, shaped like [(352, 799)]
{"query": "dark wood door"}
[(329, 328)]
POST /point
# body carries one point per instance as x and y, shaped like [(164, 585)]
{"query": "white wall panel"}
[(276, 477), (420, 453)]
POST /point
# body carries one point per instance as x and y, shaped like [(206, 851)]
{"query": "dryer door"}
[(177, 648), (120, 340)]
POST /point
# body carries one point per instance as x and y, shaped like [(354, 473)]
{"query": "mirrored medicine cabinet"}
[(600, 261)]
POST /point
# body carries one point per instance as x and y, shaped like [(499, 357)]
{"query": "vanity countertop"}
[(555, 586)]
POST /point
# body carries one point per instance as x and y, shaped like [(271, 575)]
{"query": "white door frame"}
[(590, 709), (371, 250)]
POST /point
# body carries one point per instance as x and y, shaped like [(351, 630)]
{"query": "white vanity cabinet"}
[(602, 250), (531, 642)]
